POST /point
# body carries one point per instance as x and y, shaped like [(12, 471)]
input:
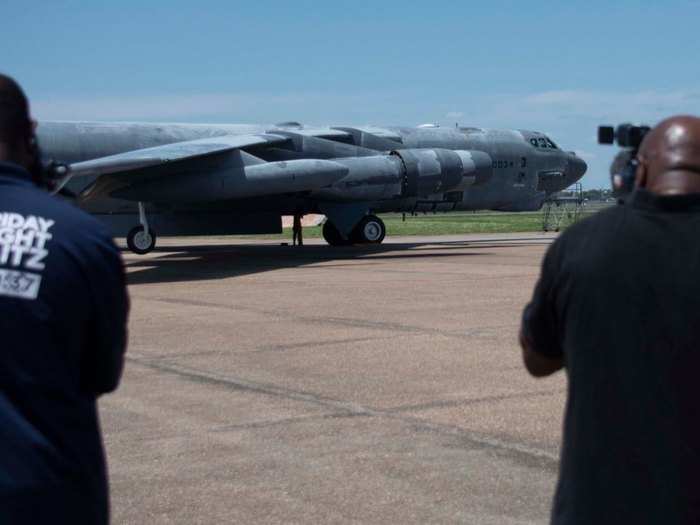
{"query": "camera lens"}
[(606, 135)]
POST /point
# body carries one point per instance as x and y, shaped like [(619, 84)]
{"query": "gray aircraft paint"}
[(341, 171)]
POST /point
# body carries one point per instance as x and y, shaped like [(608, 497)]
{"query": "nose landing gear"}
[(141, 239)]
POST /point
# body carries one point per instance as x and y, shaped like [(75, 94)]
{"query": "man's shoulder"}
[(589, 236), (599, 223)]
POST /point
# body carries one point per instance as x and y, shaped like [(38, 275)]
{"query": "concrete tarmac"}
[(280, 384)]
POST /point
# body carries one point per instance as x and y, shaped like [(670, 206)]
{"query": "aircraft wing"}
[(322, 133), (139, 174), (337, 132), (149, 157), (154, 156), (381, 132)]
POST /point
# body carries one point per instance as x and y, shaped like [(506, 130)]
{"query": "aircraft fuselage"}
[(516, 169)]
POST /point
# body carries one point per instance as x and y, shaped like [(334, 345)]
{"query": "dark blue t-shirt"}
[(619, 299), (63, 314)]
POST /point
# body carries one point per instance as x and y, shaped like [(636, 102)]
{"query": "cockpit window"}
[(543, 142)]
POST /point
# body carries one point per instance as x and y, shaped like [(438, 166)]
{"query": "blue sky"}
[(561, 68)]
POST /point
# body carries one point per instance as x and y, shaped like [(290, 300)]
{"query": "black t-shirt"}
[(619, 299), (63, 310)]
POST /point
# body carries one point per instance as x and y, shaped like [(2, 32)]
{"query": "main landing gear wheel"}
[(141, 242), (370, 230), (332, 235)]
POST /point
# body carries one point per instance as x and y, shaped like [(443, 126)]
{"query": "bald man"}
[(618, 306), (63, 311)]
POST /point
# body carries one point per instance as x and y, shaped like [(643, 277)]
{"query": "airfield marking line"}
[(350, 409)]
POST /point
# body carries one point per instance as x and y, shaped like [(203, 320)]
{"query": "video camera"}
[(624, 168)]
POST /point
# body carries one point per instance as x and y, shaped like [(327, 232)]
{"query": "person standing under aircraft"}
[(63, 316), (618, 305), (297, 235)]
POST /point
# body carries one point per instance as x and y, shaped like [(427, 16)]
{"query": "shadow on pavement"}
[(203, 262)]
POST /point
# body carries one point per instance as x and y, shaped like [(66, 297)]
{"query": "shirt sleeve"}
[(540, 324), (110, 309)]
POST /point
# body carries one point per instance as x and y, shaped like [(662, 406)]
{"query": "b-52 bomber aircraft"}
[(196, 179)]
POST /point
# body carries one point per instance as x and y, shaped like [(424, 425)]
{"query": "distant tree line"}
[(601, 194), (598, 195)]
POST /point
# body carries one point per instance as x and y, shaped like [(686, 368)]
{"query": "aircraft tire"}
[(332, 235), (140, 243), (370, 230)]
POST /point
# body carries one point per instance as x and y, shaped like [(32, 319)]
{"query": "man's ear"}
[(640, 180)]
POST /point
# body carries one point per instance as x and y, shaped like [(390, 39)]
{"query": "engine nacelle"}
[(234, 181), (477, 166), (430, 171)]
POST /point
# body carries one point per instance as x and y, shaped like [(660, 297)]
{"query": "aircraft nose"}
[(577, 168)]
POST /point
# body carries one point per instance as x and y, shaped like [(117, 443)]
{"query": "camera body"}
[(624, 168)]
